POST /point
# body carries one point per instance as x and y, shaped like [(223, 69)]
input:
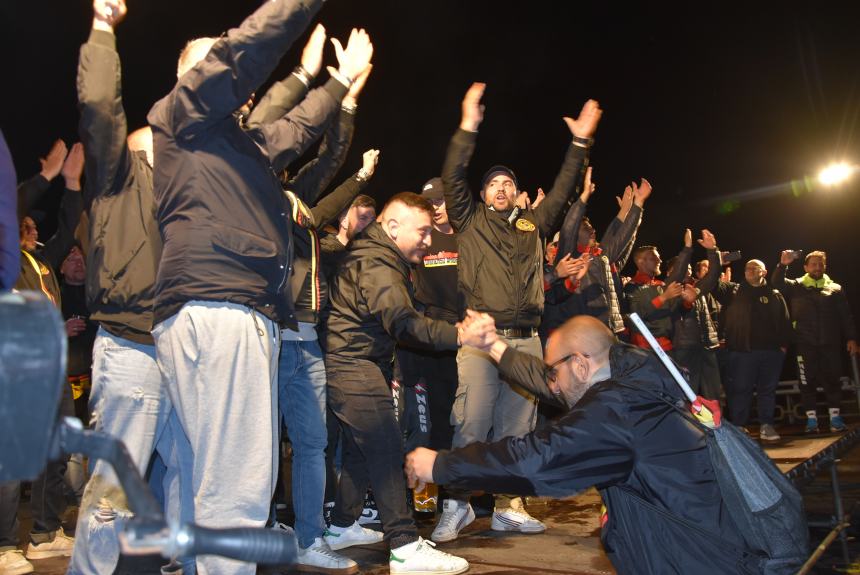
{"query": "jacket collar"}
[(824, 282), (645, 280)]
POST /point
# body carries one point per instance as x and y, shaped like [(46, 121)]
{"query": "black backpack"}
[(764, 504)]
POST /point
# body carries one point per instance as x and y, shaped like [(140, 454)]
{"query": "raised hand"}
[(472, 109), (787, 256), (641, 192), (688, 238), (370, 159), (586, 124), (671, 291), (312, 55), (108, 13), (567, 267), (582, 262), (353, 59), (351, 98), (588, 186), (73, 167), (625, 202), (53, 162), (708, 241), (539, 198)]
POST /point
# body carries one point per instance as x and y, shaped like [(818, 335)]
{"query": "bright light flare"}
[(835, 174)]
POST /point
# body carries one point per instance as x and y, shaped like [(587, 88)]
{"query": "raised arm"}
[(315, 176), (103, 128), (459, 200), (286, 139), (333, 204), (616, 245), (30, 191), (582, 129), (71, 206), (679, 272), (233, 69), (712, 278), (777, 278)]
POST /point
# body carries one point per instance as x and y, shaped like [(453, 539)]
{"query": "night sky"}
[(709, 101)]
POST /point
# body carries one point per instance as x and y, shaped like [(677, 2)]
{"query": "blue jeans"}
[(302, 404), (129, 401), (757, 370)]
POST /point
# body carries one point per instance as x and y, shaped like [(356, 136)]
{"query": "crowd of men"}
[(216, 294)]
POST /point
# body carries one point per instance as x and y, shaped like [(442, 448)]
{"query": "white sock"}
[(834, 411), (811, 414)]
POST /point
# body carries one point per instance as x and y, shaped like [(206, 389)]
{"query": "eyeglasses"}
[(551, 368)]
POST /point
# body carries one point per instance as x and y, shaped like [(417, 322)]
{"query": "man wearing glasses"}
[(651, 466)]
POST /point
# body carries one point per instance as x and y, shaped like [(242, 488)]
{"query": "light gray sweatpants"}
[(219, 361)]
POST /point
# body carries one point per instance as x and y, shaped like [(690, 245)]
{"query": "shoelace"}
[(450, 519)]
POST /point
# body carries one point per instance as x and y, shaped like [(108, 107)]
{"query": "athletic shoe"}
[(343, 537), (60, 546), (455, 516), (515, 518), (811, 425), (12, 562), (369, 514), (768, 433), (319, 557), (420, 557), (837, 425)]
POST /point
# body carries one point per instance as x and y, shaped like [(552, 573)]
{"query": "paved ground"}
[(570, 546)]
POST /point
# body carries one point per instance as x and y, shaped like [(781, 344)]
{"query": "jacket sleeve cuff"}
[(507, 361), (440, 471), (571, 286), (336, 89), (465, 136), (449, 337), (102, 38), (657, 302)]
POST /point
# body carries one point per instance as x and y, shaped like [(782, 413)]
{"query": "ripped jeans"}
[(128, 401)]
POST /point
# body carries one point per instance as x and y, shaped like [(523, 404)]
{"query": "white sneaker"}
[(768, 433), (320, 558), (515, 518), (420, 558), (12, 562), (455, 516), (60, 546), (343, 537)]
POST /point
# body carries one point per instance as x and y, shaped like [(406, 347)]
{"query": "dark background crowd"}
[(729, 110)]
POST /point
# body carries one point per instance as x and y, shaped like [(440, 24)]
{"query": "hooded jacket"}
[(665, 512), (372, 304)]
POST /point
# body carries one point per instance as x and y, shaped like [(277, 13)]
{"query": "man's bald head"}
[(581, 334), (407, 219), (583, 343), (141, 140), (193, 52)]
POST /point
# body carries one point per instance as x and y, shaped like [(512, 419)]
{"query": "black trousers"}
[(360, 397), (819, 366), (429, 381)]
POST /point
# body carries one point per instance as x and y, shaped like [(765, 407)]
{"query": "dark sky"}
[(706, 100)]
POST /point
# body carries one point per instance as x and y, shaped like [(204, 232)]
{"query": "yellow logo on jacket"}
[(525, 226)]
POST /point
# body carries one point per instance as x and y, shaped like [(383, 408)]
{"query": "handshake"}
[(477, 330)]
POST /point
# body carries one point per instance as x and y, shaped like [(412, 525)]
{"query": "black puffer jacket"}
[(372, 304), (821, 315), (665, 512)]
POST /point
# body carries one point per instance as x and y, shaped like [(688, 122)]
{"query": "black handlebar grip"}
[(254, 545)]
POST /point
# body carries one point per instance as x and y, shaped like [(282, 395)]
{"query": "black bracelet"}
[(583, 142), (305, 76)]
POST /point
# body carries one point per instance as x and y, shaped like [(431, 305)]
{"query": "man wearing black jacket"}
[(664, 510), (371, 310), (758, 332), (822, 320), (500, 272), (223, 281), (301, 372)]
